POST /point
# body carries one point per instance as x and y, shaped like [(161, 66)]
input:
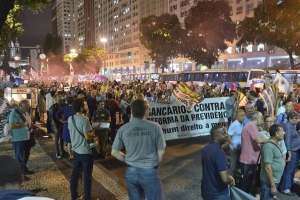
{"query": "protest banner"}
[(178, 122), (186, 96), (5, 109), (268, 97)]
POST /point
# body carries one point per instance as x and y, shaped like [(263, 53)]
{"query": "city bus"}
[(141, 77), (242, 78), (289, 75)]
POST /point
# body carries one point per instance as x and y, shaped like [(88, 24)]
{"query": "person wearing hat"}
[(103, 116)]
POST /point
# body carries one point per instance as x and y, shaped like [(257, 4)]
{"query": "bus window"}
[(255, 74), (223, 77), (192, 77), (198, 77), (243, 76), (154, 76), (187, 77), (228, 77), (289, 77), (235, 76), (215, 77), (207, 77), (298, 78)]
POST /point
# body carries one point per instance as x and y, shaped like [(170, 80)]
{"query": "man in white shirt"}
[(49, 103)]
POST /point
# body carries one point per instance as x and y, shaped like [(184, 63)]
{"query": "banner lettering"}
[(178, 122)]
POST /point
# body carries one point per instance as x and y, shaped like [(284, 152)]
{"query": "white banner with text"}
[(177, 122)]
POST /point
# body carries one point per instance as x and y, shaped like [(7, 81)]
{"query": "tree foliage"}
[(89, 59), (7, 5), (275, 23), (161, 35), (208, 28), (12, 29)]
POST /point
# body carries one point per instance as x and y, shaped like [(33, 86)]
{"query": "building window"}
[(239, 10)]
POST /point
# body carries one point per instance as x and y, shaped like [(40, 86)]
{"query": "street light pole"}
[(103, 40)]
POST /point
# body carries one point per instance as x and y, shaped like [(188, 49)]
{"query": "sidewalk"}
[(52, 176)]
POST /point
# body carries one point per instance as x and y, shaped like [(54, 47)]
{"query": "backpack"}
[(110, 107)]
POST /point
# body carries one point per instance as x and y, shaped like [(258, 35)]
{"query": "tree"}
[(208, 29), (88, 59), (11, 29), (275, 23), (161, 35), (7, 5)]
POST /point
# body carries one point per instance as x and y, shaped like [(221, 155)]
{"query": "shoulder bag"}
[(256, 174), (31, 138), (93, 149)]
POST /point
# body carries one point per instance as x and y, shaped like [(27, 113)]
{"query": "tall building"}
[(64, 22), (114, 26), (117, 21), (89, 22)]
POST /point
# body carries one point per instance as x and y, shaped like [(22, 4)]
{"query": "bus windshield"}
[(256, 74)]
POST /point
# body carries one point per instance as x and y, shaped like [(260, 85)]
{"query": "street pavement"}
[(180, 172)]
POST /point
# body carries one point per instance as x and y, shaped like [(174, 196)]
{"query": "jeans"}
[(210, 196), (48, 123), (287, 178), (85, 162), (234, 161), (139, 180), (247, 172), (102, 135), (112, 127), (22, 152), (58, 142), (265, 193)]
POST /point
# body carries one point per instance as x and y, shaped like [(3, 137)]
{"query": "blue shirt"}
[(291, 137), (213, 161), (281, 119), (235, 131), (246, 120), (18, 134), (229, 107)]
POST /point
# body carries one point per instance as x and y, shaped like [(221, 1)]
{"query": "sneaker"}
[(58, 156), (289, 193)]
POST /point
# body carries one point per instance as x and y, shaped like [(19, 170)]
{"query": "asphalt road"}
[(180, 170)]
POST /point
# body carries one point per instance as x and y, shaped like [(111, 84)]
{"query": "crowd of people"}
[(264, 148), (74, 116)]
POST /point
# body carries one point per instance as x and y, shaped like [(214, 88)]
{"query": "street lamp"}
[(17, 58), (103, 40)]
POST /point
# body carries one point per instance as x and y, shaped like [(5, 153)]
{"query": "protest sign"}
[(5, 109), (178, 122), (268, 97)]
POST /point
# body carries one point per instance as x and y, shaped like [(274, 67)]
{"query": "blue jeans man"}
[(141, 180), (265, 193), (288, 173), (22, 152), (82, 162)]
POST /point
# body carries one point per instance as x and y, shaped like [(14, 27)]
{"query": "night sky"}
[(36, 26)]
